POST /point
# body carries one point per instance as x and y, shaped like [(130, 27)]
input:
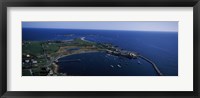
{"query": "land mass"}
[(40, 58)]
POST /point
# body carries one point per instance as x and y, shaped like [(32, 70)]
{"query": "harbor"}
[(131, 55)]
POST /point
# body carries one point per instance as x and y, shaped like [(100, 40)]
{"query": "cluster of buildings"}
[(28, 61), (119, 52)]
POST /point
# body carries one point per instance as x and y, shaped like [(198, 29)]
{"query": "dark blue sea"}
[(160, 47)]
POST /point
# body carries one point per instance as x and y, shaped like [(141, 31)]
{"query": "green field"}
[(33, 47)]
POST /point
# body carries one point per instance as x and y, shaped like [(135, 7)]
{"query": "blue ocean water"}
[(160, 47)]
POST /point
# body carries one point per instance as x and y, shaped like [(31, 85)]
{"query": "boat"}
[(119, 65)]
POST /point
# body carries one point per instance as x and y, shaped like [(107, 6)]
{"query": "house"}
[(27, 61)]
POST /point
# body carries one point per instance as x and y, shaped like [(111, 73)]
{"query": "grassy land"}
[(80, 42), (32, 47), (44, 52), (26, 72)]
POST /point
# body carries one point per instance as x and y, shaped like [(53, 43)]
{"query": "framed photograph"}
[(120, 48)]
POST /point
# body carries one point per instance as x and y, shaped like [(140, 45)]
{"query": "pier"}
[(153, 64)]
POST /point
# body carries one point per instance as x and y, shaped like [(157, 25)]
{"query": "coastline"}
[(54, 61), (76, 53), (56, 66)]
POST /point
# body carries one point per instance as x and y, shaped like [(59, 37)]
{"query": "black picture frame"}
[(98, 3)]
